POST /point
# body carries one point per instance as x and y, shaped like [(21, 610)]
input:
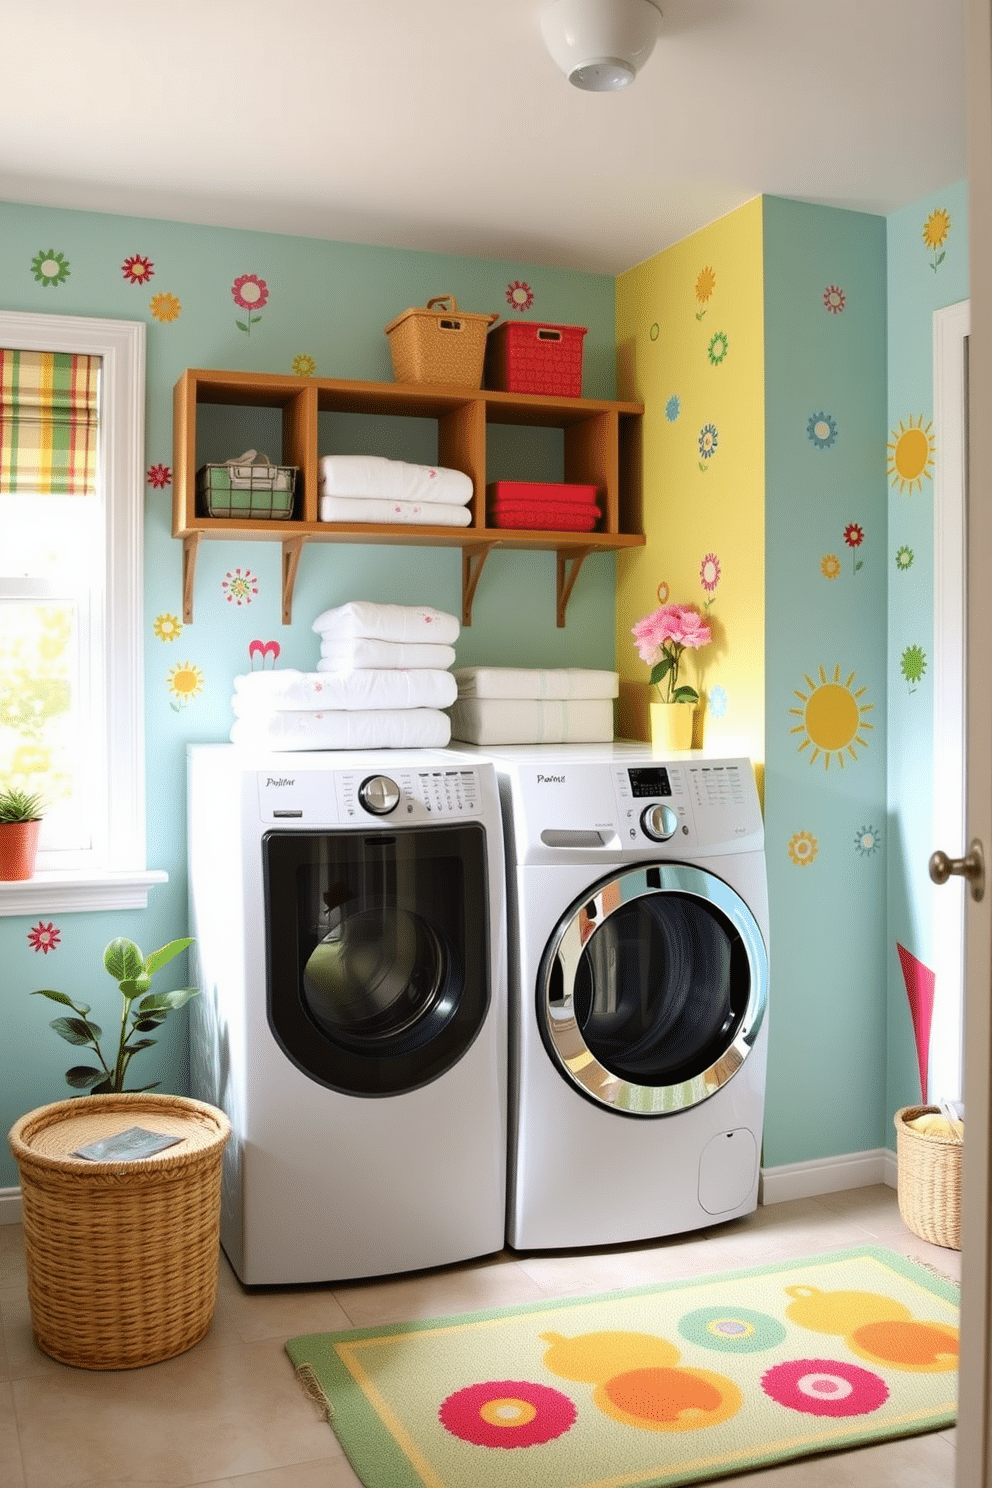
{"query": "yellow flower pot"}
[(671, 726)]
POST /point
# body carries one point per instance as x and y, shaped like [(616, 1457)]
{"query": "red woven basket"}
[(524, 357)]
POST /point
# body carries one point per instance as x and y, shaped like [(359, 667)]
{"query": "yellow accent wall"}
[(690, 334)]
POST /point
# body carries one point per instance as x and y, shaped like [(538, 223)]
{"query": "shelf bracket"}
[(565, 578), (291, 549), (473, 562), (191, 543)]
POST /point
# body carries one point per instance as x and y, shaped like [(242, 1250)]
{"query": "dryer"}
[(638, 991), (349, 915)]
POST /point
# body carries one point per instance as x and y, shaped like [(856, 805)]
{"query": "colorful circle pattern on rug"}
[(507, 1413), (825, 1387), (668, 1399), (735, 1330), (923, 1348)]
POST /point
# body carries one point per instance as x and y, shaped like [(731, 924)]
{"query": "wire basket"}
[(247, 486), (439, 344), (929, 1180), (122, 1257)]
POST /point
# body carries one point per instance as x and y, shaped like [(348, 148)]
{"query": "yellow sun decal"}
[(803, 848), (911, 451), (832, 718), (185, 682)]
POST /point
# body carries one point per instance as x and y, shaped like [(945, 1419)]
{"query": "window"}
[(71, 694)]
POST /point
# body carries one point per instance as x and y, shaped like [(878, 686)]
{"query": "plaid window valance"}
[(48, 422)]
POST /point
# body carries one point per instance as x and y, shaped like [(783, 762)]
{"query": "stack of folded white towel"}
[(382, 682), (523, 705), (370, 488)]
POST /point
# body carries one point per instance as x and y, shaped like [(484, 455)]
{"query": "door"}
[(974, 1437), (652, 989)]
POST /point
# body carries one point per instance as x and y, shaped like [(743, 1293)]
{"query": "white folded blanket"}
[(387, 622), (291, 691), (367, 509), (392, 480), (375, 728), (360, 653), (532, 720), (533, 682)]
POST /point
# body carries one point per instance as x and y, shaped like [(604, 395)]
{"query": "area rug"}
[(679, 1383)]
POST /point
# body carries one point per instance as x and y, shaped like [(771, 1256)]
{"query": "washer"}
[(638, 991), (350, 924)]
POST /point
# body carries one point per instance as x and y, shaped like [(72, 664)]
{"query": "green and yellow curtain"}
[(49, 403)]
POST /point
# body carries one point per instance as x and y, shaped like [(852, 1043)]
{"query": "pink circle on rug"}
[(507, 1413), (825, 1387)]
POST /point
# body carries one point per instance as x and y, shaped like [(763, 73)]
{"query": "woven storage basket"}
[(122, 1257), (928, 1180), (439, 344)]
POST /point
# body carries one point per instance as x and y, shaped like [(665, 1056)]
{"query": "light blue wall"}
[(328, 301), (826, 878), (920, 281)]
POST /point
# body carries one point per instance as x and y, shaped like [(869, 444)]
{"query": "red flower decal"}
[(44, 937), (834, 299), (854, 535), (159, 476), (519, 295), (137, 270)]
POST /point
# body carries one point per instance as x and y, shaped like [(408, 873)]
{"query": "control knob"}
[(379, 794), (659, 822)]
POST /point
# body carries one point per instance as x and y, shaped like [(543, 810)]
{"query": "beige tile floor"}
[(230, 1414)]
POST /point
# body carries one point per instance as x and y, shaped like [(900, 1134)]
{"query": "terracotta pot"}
[(18, 849), (671, 726)]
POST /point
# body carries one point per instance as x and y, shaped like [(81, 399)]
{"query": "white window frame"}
[(120, 878)]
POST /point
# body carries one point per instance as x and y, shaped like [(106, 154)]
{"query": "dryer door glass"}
[(652, 990), (378, 952)]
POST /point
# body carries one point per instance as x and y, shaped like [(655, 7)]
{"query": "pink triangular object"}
[(920, 982)]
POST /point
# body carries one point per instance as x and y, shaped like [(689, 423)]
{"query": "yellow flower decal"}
[(304, 366), (803, 848), (830, 566), (935, 231), (185, 683), (167, 627), (705, 285), (165, 307)]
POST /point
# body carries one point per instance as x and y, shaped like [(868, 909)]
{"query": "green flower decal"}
[(904, 559), (913, 665), (50, 267), (718, 348)]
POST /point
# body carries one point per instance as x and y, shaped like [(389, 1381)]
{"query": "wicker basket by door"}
[(928, 1180), (122, 1257)]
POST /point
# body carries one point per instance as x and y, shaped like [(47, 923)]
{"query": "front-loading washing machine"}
[(349, 917), (638, 991)]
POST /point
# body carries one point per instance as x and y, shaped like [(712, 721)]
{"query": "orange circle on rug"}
[(668, 1399), (923, 1348)]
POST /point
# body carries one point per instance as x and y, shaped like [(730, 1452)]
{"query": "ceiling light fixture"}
[(600, 44)]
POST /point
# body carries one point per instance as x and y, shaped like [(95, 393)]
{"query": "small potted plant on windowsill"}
[(20, 823)]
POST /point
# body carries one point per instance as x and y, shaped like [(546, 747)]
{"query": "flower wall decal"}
[(263, 650), (240, 586), (673, 408), (42, 937), (304, 366), (803, 848), (137, 269), (854, 536), (519, 295), (655, 330), (159, 476), (904, 559), (830, 566), (250, 293), (718, 348), (716, 701), (165, 307), (821, 430), (50, 268), (834, 299), (167, 627), (705, 285), (935, 231), (913, 665), (709, 572), (867, 841), (709, 438)]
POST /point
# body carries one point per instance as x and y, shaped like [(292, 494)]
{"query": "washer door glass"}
[(653, 988)]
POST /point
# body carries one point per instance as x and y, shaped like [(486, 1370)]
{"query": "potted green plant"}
[(142, 1012), (20, 823)]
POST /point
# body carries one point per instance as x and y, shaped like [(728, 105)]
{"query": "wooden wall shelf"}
[(601, 444)]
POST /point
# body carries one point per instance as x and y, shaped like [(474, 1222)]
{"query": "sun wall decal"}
[(832, 717), (911, 451)]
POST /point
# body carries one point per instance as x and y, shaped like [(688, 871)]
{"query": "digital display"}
[(650, 780)]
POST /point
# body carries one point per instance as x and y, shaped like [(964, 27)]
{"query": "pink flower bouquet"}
[(661, 638)]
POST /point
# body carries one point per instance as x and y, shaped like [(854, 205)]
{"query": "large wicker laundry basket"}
[(122, 1257), (928, 1179)]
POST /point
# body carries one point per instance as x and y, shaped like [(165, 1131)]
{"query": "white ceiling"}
[(444, 125)]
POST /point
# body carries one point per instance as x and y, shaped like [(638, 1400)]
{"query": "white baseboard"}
[(10, 1206), (807, 1180)]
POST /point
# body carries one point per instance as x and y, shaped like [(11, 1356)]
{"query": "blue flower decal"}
[(716, 700), (821, 430), (673, 408)]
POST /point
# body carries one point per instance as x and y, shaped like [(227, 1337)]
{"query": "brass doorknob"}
[(971, 867)]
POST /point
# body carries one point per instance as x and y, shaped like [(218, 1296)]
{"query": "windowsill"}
[(67, 890)]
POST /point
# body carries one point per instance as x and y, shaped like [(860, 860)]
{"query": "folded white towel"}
[(367, 509), (387, 622), (269, 692), (533, 682), (392, 480), (360, 653), (532, 720), (376, 728)]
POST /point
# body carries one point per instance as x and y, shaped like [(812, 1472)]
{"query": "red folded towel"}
[(551, 516)]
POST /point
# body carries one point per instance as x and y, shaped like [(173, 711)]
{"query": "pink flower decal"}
[(709, 572), (44, 937), (159, 476), (834, 299), (137, 270), (240, 586), (263, 649), (251, 293), (825, 1387), (507, 1413), (519, 295)]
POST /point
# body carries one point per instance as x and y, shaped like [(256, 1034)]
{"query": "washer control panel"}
[(409, 795)]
